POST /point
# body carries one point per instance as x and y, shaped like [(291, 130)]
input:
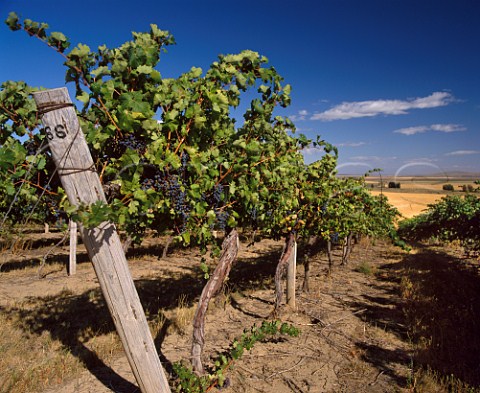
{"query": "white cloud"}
[(448, 127), (462, 152), (350, 110), (351, 144), (312, 150), (373, 158), (301, 115), (432, 127), (412, 130), (421, 160)]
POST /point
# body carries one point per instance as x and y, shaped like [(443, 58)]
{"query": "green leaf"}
[(186, 237), (133, 206), (100, 71), (41, 163), (12, 22), (84, 97), (57, 36), (80, 51), (144, 69)]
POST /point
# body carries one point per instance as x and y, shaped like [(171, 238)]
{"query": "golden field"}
[(416, 193), (410, 204)]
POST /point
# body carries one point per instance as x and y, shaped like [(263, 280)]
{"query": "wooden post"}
[(281, 271), (82, 186), (291, 277), (72, 261), (212, 288)]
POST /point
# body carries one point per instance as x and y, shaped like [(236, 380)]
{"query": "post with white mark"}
[(82, 185), (72, 260), (291, 277)]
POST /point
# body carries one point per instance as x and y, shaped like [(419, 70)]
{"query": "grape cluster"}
[(184, 158), (158, 182), (53, 212), (132, 142), (170, 186), (334, 237), (253, 216), (31, 147), (222, 217), (220, 213), (178, 197), (182, 209), (217, 194)]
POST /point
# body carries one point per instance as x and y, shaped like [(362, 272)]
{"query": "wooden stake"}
[(280, 272), (291, 277), (82, 186), (72, 261)]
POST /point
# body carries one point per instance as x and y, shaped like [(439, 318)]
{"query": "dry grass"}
[(366, 268), (441, 313), (31, 363), (183, 315), (43, 351), (428, 381)]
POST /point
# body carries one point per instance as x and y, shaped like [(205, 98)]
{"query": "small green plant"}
[(366, 268), (411, 380), (189, 382)]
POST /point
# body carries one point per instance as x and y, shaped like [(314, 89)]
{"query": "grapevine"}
[(172, 155)]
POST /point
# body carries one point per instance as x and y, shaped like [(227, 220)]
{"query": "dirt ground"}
[(353, 337)]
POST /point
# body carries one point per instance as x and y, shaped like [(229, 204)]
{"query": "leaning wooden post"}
[(72, 260), (291, 277), (82, 186)]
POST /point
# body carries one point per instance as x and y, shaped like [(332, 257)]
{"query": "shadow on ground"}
[(430, 299), (75, 319)]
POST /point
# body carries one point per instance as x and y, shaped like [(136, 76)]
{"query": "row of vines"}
[(452, 219), (173, 154), (170, 154)]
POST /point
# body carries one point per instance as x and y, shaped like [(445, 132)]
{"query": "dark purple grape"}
[(222, 217), (185, 157), (132, 142), (217, 193)]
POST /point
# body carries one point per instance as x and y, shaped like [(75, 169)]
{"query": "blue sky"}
[(395, 84)]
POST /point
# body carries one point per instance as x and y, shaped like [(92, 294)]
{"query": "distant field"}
[(410, 204), (416, 193)]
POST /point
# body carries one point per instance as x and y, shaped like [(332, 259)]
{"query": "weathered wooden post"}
[(72, 260), (283, 269), (212, 288), (82, 186), (291, 277)]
